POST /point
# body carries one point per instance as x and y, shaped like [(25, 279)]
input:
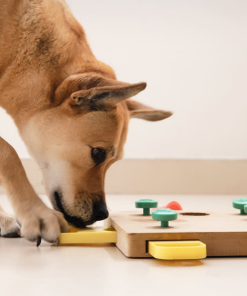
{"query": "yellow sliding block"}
[(177, 250), (88, 236)]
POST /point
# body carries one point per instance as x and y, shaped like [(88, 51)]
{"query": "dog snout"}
[(100, 211)]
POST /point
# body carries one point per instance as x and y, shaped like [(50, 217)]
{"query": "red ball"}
[(173, 205)]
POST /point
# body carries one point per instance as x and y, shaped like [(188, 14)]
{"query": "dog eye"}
[(98, 155)]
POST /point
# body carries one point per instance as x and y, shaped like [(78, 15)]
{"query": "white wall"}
[(193, 55)]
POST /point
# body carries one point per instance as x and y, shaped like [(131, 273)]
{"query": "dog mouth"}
[(75, 221)]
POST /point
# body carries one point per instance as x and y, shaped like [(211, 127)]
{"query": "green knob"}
[(146, 205), (245, 208), (239, 204), (164, 215)]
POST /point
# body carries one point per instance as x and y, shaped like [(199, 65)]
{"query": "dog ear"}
[(138, 110), (90, 92), (106, 96)]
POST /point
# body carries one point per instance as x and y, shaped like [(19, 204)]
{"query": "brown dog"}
[(71, 112)]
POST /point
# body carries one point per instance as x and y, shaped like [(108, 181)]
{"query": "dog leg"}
[(8, 225), (36, 219)]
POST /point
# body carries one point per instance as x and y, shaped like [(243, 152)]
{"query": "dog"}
[(71, 112)]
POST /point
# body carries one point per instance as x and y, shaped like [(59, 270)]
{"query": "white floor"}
[(104, 270)]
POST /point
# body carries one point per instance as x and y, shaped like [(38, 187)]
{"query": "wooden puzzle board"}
[(224, 233)]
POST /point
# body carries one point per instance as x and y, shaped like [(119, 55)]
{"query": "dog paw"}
[(43, 223), (9, 226)]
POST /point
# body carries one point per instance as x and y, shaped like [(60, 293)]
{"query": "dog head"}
[(77, 139)]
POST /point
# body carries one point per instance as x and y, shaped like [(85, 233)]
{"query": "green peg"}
[(240, 204), (164, 215), (146, 205)]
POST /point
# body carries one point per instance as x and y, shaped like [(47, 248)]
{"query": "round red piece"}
[(173, 205)]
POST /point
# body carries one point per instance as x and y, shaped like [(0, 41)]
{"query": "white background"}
[(192, 54)]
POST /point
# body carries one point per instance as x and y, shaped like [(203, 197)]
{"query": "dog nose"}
[(100, 211)]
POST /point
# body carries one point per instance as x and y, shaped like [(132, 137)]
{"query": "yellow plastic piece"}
[(88, 236), (177, 250)]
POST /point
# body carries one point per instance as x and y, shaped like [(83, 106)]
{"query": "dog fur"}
[(70, 111)]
